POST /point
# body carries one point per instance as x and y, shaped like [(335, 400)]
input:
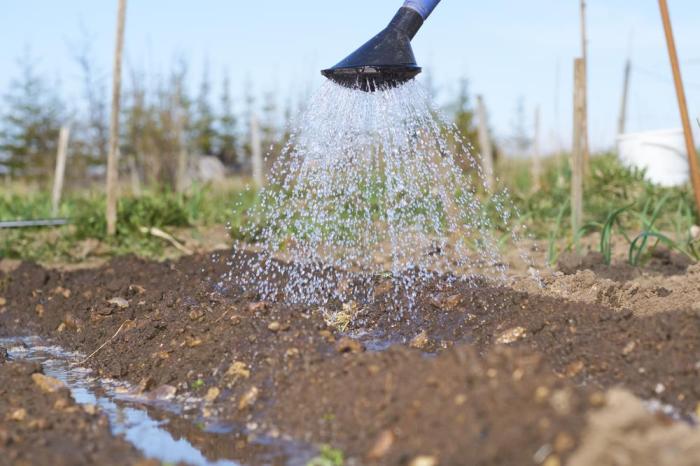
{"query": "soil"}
[(488, 375), (42, 427)]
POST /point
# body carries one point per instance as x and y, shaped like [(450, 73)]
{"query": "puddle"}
[(129, 414)]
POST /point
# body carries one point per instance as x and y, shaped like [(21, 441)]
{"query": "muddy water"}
[(128, 415)]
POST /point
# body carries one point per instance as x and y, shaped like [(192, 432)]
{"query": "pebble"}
[(420, 341), (46, 383), (212, 395), (164, 392), (238, 369), (3, 301), (196, 314), (121, 303), (249, 398), (18, 415), (423, 461), (511, 336), (382, 445), (274, 326)]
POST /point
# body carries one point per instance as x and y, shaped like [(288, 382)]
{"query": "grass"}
[(328, 456), (619, 205), (199, 207)]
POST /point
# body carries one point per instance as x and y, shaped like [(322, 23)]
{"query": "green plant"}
[(328, 456)]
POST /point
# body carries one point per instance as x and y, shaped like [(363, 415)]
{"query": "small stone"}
[(193, 342), (423, 461), (196, 314), (18, 415), (164, 392), (292, 353), (382, 445), (238, 370), (90, 409), (62, 291), (121, 303), (629, 347), (460, 399), (420, 341), (46, 383), (348, 345), (574, 369), (257, 307), (274, 326), (552, 461), (511, 335), (249, 398), (39, 309), (212, 395), (561, 402), (563, 442), (660, 388), (3, 301), (541, 394)]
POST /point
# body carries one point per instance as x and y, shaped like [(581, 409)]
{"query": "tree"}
[(203, 131), (463, 115), (520, 139), (30, 125), (227, 141)]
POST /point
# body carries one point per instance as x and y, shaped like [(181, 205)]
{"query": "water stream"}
[(131, 416)]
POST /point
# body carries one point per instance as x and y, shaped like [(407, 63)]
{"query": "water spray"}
[(387, 59)]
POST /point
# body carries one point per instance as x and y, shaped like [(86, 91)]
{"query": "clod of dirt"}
[(423, 461), (382, 445), (212, 395), (121, 303), (511, 335), (46, 383), (238, 370), (348, 345), (249, 398), (626, 429), (18, 415), (420, 341)]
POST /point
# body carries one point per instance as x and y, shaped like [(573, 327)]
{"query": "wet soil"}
[(473, 375), (38, 426)]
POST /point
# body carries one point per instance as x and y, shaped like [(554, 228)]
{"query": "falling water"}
[(372, 186)]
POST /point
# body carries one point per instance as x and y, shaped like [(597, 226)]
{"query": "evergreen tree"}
[(227, 145), (464, 116), (30, 124), (204, 133)]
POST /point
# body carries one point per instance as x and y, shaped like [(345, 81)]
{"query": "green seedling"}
[(328, 456)]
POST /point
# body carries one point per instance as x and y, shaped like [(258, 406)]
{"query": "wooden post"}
[(256, 151), (536, 155), (622, 121), (487, 164), (60, 169), (112, 157), (682, 103), (584, 97), (577, 151)]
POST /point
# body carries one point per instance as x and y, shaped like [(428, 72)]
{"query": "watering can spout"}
[(387, 59)]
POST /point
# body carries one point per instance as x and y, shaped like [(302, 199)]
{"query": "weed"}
[(328, 456)]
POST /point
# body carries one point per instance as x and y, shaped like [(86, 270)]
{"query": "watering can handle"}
[(423, 7)]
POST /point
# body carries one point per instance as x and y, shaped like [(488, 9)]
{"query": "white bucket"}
[(662, 153)]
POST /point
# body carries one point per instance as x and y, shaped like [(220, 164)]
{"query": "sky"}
[(508, 50)]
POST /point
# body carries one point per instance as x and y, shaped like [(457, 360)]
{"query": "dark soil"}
[(486, 375)]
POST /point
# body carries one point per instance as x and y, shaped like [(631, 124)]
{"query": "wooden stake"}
[(182, 155), (536, 155), (577, 151), (256, 149), (584, 117), (487, 164), (60, 169), (682, 103), (112, 157), (622, 121)]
